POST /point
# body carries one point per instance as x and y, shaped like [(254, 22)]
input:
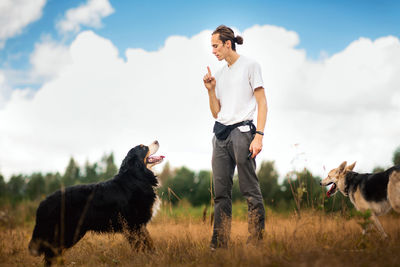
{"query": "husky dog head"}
[(336, 177)]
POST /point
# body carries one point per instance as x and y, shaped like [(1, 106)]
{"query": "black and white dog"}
[(121, 204), (377, 192)]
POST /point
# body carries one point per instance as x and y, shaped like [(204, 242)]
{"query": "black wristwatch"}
[(259, 132)]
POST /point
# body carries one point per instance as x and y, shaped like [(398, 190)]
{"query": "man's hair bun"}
[(239, 39)]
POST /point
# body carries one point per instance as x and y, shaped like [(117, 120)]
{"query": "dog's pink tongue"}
[(155, 159)]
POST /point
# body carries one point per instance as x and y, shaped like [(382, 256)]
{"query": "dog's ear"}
[(128, 164), (139, 164), (342, 166), (351, 167)]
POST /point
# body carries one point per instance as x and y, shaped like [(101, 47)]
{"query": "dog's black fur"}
[(122, 204), (373, 186)]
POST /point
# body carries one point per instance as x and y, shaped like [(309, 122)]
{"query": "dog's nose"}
[(156, 142)]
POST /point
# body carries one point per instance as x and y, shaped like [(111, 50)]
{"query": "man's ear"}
[(228, 43), (351, 167), (342, 166)]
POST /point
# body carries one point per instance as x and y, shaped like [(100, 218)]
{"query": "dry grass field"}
[(315, 239)]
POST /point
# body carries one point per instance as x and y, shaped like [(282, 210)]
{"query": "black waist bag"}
[(222, 131)]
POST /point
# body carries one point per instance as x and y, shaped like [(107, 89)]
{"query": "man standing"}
[(234, 94)]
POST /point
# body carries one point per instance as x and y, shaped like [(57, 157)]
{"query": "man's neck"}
[(231, 59)]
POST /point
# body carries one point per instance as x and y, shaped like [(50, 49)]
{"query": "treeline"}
[(38, 185), (299, 189)]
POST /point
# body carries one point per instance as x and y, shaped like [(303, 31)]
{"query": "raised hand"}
[(209, 80)]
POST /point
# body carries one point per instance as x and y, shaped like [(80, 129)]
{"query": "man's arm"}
[(256, 144), (215, 106), (209, 83)]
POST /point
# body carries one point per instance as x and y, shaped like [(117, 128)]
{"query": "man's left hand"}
[(256, 145)]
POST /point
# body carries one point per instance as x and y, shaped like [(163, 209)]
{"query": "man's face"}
[(219, 49)]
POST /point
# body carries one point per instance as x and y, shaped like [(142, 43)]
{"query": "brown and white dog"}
[(377, 192)]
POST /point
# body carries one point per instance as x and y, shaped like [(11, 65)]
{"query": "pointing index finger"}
[(209, 71)]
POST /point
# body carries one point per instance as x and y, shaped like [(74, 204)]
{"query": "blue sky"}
[(322, 25), (82, 78), (327, 26)]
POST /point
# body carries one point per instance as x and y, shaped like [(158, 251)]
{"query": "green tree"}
[(337, 202), (268, 177), (313, 190), (202, 193), (396, 156), (36, 186), (53, 182), (90, 173), (109, 169), (378, 169), (289, 191), (72, 173), (236, 194), (2, 187), (182, 185), (166, 174), (16, 188), (301, 189)]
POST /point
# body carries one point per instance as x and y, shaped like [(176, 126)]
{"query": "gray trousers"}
[(227, 154)]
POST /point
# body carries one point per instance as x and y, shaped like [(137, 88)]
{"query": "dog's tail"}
[(394, 190)]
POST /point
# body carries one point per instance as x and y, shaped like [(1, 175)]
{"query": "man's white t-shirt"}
[(235, 90)]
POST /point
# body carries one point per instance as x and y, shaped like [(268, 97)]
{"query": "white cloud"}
[(89, 14), (344, 107), (48, 58), (15, 15), (47, 61), (341, 108), (4, 89)]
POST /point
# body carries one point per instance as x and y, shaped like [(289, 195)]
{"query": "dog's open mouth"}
[(151, 159), (331, 190), (154, 159)]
